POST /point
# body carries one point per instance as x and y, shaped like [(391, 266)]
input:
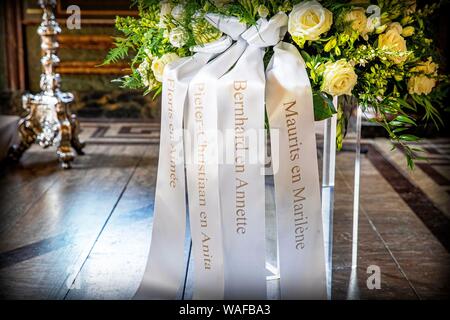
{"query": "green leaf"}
[(306, 56), (395, 123), (406, 104), (409, 137), (418, 149), (410, 162), (398, 130), (405, 119), (323, 106)]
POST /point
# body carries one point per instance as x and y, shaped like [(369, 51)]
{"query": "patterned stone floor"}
[(404, 225), (84, 233)]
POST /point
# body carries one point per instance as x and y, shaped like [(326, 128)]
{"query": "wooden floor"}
[(85, 233)]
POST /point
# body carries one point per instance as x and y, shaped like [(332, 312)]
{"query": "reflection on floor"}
[(84, 233)]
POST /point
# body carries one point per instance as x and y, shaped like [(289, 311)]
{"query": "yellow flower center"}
[(310, 19)]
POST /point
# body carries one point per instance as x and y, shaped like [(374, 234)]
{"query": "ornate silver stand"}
[(49, 121)]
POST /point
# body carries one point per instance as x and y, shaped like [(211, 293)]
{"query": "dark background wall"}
[(2, 52), (81, 52)]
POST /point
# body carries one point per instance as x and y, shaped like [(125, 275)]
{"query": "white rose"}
[(421, 85), (166, 10), (308, 20), (358, 20), (146, 75), (394, 42), (166, 34), (339, 78), (178, 37), (159, 64), (178, 12), (373, 23)]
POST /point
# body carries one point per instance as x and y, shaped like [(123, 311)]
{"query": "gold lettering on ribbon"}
[(172, 143), (240, 149), (300, 218), (202, 146)]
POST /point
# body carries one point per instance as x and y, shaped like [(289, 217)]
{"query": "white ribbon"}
[(203, 173), (164, 272), (289, 104), (241, 119), (297, 190), (227, 24)]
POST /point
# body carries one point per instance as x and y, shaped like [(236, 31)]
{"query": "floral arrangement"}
[(379, 54)]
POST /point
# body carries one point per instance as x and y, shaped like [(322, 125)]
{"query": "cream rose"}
[(178, 12), (159, 64), (427, 67), (339, 78), (358, 20), (165, 11), (421, 85), (392, 41), (308, 20), (372, 24), (178, 37), (145, 73), (395, 26)]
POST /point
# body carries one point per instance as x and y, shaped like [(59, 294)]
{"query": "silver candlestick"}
[(49, 121)]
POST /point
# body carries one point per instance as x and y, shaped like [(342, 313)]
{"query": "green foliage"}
[(382, 87), (323, 106)]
